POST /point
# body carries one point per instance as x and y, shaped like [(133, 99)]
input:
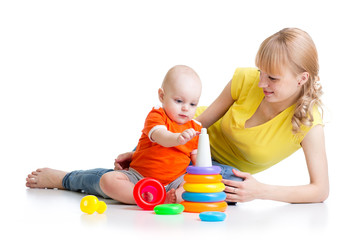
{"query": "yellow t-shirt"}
[(257, 148)]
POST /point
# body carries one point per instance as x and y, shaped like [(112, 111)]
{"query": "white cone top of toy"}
[(203, 158)]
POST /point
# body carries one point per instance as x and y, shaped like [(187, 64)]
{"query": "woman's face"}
[(282, 88)]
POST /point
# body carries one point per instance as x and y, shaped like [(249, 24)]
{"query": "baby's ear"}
[(161, 94)]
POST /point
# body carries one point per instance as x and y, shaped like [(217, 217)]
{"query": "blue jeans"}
[(88, 181), (226, 171)]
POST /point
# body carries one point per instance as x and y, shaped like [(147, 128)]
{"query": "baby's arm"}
[(169, 139)]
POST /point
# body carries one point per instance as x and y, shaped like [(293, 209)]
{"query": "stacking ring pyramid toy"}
[(203, 186)]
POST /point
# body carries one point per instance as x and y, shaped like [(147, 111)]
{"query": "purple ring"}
[(203, 170)]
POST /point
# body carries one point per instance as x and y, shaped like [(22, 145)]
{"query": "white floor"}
[(40, 213), (70, 77)]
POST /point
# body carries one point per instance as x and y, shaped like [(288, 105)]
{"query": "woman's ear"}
[(303, 78), (161, 94)]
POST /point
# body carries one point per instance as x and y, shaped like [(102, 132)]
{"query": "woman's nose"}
[(263, 82)]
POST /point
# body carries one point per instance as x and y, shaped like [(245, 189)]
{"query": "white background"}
[(78, 77)]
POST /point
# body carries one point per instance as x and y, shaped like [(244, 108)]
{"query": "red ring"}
[(159, 198)]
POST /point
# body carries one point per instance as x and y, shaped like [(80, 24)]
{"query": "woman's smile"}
[(267, 93)]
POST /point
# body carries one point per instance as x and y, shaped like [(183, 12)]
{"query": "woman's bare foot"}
[(45, 178), (170, 196)]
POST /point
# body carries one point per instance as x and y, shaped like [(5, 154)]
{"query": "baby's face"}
[(181, 99)]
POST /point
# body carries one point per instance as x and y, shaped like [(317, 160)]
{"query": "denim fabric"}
[(87, 181), (226, 171)]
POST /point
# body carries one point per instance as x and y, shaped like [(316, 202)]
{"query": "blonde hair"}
[(295, 49)]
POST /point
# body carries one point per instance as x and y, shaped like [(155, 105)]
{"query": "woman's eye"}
[(272, 78)]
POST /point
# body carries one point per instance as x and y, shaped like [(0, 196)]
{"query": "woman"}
[(264, 115)]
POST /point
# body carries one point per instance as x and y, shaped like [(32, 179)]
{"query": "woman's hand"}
[(122, 162), (244, 191)]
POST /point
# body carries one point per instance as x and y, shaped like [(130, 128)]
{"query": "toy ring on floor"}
[(203, 170), (204, 187), (192, 178), (169, 209), (197, 207), (204, 197), (212, 216), (148, 193)]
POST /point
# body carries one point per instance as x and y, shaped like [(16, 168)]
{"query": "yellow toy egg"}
[(89, 204), (101, 207)]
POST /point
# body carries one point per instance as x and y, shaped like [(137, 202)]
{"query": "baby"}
[(166, 146)]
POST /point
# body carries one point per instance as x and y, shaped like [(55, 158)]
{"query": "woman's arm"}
[(218, 108), (314, 149), (316, 191)]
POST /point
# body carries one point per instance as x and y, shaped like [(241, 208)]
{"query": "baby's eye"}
[(193, 104), (178, 101)]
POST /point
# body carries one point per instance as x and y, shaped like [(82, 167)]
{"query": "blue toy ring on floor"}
[(212, 216), (203, 170), (204, 197)]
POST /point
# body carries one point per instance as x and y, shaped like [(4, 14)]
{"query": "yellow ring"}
[(197, 207), (192, 178), (204, 187)]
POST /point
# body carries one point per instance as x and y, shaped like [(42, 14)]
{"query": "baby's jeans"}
[(87, 181)]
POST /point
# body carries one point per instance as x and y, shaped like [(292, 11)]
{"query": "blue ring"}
[(212, 216), (204, 197), (203, 170)]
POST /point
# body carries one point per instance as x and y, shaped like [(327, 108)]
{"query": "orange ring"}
[(197, 207), (193, 178)]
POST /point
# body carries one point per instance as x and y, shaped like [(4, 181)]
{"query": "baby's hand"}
[(187, 135)]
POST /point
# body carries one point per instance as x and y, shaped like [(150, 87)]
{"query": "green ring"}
[(169, 209)]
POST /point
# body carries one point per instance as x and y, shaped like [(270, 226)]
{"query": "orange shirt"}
[(153, 160)]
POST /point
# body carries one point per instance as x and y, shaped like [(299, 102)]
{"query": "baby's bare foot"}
[(45, 178), (170, 196), (148, 197)]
